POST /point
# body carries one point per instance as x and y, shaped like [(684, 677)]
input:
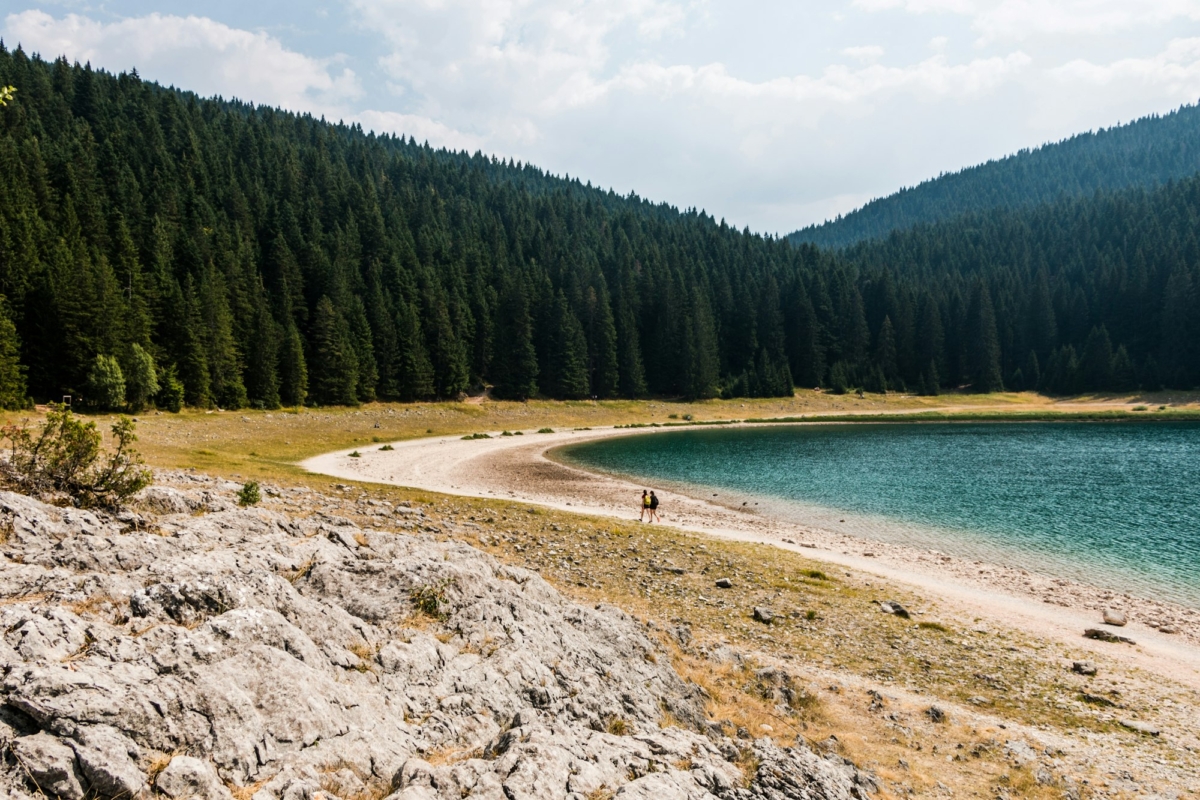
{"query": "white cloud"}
[(997, 20), (420, 128), (867, 52), (1176, 68), (195, 53)]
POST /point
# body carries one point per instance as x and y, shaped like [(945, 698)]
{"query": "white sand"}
[(516, 468)]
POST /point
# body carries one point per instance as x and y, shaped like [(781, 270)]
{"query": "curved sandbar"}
[(517, 468)]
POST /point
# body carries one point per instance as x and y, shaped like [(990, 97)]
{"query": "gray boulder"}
[(50, 764)]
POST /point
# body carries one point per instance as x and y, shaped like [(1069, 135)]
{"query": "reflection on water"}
[(1112, 504)]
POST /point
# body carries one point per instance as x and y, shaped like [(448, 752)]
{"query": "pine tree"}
[(603, 364), (885, 354), (983, 342), (701, 363), (262, 361), (293, 369), (632, 381), (566, 376), (1097, 360), (414, 372), (1180, 327), (13, 394), (335, 367), (515, 366)]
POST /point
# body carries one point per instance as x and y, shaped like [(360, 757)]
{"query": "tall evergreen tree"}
[(515, 369), (983, 342), (13, 393), (335, 366), (566, 373)]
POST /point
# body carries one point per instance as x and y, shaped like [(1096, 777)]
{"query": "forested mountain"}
[(153, 244), (159, 248), (1081, 295), (1145, 153)]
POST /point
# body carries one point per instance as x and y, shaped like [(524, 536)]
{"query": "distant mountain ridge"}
[(1145, 153)]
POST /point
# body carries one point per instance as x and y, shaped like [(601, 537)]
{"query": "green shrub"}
[(546, 430), (249, 495), (472, 436), (106, 384), (386, 448), (429, 600), (66, 460), (356, 454)]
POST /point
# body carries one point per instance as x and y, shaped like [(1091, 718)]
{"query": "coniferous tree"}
[(414, 372), (700, 350), (566, 373), (262, 361), (13, 393), (885, 354), (335, 366), (603, 365), (983, 342), (293, 369), (1097, 360), (516, 366)]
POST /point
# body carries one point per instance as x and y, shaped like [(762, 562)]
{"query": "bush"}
[(65, 459), (106, 384), (249, 495)]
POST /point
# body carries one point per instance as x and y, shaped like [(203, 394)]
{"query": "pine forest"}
[(161, 249)]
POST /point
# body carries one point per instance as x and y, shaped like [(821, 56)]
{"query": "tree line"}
[(1145, 153), (159, 248)]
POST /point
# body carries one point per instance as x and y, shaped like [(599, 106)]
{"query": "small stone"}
[(935, 714), (724, 583), (188, 777), (50, 764), (1104, 636), (1083, 668), (892, 607), (1116, 618), (763, 615), (1140, 727)]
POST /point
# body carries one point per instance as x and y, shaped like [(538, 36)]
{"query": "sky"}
[(771, 114)]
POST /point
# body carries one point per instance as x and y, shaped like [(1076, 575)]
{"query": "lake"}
[(1114, 505)]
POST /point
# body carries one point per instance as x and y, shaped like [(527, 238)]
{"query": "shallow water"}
[(1115, 505)]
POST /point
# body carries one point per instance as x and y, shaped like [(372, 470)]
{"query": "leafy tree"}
[(106, 383), (141, 378)]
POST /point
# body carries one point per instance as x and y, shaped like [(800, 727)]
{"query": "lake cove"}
[(1113, 505)]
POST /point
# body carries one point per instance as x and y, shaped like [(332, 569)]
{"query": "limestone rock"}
[(1141, 727), (187, 778), (763, 615), (50, 764), (724, 583), (1101, 635), (1115, 617), (1083, 668), (260, 649)]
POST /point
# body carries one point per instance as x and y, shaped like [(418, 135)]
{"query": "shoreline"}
[(521, 469)]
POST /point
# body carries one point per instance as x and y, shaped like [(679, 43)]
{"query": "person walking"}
[(645, 507), (654, 508)]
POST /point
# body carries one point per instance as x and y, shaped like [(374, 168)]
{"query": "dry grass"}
[(827, 633), (445, 756)]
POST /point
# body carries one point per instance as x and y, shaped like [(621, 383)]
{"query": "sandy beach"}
[(519, 469)]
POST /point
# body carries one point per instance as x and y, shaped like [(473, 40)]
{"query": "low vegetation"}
[(64, 460)]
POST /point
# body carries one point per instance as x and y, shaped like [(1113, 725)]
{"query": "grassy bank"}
[(866, 678)]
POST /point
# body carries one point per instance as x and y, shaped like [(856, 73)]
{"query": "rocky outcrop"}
[(194, 649)]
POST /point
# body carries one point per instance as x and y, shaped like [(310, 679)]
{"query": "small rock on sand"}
[(1140, 727), (1114, 617), (892, 607), (724, 583), (763, 615), (935, 714), (1083, 668)]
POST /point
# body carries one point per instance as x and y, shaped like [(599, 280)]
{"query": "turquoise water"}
[(1115, 505)]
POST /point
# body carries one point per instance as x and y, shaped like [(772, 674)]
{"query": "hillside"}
[(1087, 294), (1146, 153)]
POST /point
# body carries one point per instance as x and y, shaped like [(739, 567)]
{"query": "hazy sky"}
[(768, 113)]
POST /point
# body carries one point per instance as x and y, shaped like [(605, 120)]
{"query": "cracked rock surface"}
[(195, 649)]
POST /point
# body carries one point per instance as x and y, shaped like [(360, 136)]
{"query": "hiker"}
[(654, 508), (645, 507)]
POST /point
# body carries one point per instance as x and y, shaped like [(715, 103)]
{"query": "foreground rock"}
[(198, 648)]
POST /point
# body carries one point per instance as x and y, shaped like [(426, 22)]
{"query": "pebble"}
[(1105, 636), (1115, 618), (763, 615), (1083, 668), (724, 583), (1140, 727)]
